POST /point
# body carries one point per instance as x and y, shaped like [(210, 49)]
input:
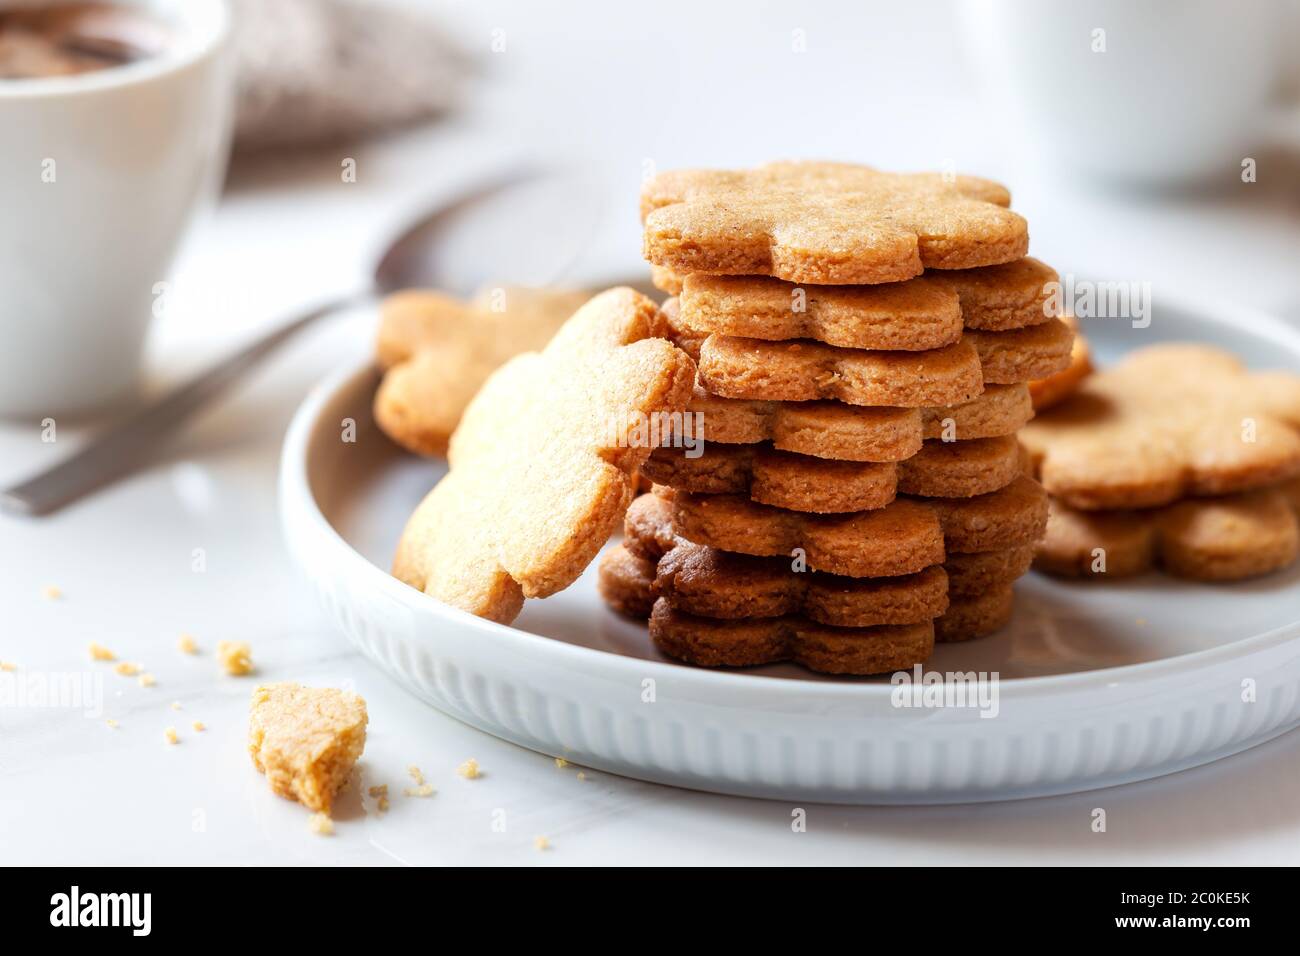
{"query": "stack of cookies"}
[(863, 341), (1178, 458)]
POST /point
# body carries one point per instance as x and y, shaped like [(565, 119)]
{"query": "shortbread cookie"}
[(706, 642), (999, 410), (923, 313), (914, 315), (805, 370), (830, 429), (977, 572), (999, 298), (306, 740), (543, 463), (1023, 355), (436, 352), (1057, 387), (961, 469), (653, 562), (827, 223), (908, 535), (629, 585), (803, 483), (779, 478), (626, 580), (976, 616), (726, 586), (1206, 539), (1167, 422)]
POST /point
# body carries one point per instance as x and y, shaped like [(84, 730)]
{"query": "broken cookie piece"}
[(306, 740)]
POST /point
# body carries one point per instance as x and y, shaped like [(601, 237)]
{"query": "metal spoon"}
[(409, 261)]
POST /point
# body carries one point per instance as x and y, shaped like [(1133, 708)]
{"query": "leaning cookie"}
[(544, 461), (1205, 539), (436, 351)]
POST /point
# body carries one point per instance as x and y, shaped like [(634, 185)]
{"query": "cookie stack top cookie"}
[(863, 340)]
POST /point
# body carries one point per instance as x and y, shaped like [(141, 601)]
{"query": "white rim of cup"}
[(205, 22)]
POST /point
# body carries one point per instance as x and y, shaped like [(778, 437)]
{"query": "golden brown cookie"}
[(999, 410), (1059, 386), (976, 572), (712, 583), (804, 370), (626, 580), (436, 352), (1022, 355), (1167, 422), (961, 469), (1206, 539), (922, 313), (906, 536), (830, 429), (999, 298), (977, 616), (779, 478), (913, 315), (827, 223), (706, 642), (825, 486), (543, 463), (725, 586)]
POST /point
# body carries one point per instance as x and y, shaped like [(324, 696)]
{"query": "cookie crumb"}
[(171, 736), (147, 680), (306, 740), (424, 790), (235, 657), (415, 774), (187, 645), (321, 824), (541, 843), (8, 666), (470, 769), (379, 794), (561, 763), (199, 725), (52, 592), (127, 669), (98, 652), (111, 723), (581, 776), (176, 705)]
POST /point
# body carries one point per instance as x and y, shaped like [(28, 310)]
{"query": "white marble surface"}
[(594, 84)]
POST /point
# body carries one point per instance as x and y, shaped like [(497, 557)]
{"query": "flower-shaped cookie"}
[(1167, 422), (830, 223), (542, 462), (436, 351)]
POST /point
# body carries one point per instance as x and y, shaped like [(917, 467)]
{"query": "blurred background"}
[(1121, 129)]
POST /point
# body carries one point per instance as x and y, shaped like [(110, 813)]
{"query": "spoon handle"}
[(131, 443)]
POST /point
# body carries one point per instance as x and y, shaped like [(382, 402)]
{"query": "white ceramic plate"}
[(1099, 685)]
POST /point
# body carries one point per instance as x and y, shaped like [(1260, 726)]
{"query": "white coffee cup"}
[(100, 173), (1154, 93)]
